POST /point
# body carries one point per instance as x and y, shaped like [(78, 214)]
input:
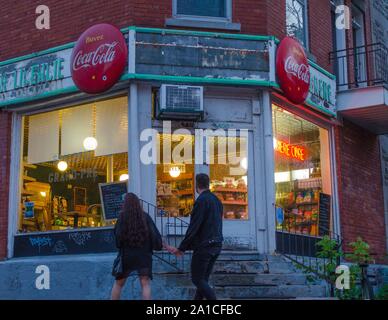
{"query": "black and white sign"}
[(112, 197)]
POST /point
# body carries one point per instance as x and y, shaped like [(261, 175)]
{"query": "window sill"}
[(203, 24)]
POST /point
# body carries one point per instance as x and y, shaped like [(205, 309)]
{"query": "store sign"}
[(322, 93), (98, 58), (201, 57), (290, 151), (37, 76), (293, 70)]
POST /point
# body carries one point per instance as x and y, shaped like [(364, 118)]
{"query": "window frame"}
[(305, 5), (227, 18)]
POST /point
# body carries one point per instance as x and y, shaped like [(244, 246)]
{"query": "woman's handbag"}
[(118, 269)]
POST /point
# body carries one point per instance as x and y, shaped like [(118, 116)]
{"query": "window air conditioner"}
[(177, 102)]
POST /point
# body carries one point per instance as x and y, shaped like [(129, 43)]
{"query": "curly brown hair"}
[(132, 230)]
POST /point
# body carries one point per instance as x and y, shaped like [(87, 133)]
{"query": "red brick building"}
[(358, 189)]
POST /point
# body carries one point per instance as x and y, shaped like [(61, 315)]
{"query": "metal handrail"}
[(361, 66), (300, 247), (163, 219)]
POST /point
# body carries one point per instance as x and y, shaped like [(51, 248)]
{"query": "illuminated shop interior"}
[(302, 171), (228, 164), (65, 155)]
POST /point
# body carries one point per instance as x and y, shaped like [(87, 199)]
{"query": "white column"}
[(269, 164), (258, 182), (134, 182), (15, 182)]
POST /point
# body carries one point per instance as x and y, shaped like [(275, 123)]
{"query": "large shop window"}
[(227, 160), (302, 174), (175, 174), (65, 155)]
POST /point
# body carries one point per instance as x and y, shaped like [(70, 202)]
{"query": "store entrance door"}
[(225, 159)]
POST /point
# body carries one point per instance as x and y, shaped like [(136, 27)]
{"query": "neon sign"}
[(291, 151)]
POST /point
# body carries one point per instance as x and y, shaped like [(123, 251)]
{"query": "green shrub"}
[(382, 293)]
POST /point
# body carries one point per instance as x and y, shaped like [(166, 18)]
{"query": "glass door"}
[(224, 157), (227, 158)]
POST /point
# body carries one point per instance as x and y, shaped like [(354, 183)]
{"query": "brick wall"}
[(5, 136), (70, 18), (360, 187), (320, 32)]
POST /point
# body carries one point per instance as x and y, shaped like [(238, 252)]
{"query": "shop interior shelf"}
[(223, 189), (27, 178), (240, 203), (185, 192)]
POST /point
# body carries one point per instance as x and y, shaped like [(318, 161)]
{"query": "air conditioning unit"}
[(177, 102)]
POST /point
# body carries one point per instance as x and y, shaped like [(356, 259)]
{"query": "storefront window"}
[(227, 164), (302, 174), (228, 175), (175, 174), (66, 155)]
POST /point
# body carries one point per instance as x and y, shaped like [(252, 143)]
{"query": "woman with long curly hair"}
[(136, 238)]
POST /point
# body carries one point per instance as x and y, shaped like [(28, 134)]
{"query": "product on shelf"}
[(229, 215), (229, 182), (241, 184), (229, 197)]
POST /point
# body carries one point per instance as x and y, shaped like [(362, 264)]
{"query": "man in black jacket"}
[(204, 237)]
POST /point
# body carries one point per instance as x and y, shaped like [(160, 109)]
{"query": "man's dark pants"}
[(202, 264)]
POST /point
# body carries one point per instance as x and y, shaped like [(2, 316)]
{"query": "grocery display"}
[(176, 195), (234, 197)]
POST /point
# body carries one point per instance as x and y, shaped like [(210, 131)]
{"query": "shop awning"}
[(366, 107)]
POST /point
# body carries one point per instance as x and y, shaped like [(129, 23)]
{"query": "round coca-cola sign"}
[(293, 70), (98, 58)]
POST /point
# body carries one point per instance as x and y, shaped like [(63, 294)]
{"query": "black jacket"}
[(205, 223)]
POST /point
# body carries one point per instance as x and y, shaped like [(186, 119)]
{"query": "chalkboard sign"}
[(112, 196), (324, 214)]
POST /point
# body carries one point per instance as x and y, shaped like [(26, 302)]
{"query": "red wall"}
[(360, 188), (70, 18)]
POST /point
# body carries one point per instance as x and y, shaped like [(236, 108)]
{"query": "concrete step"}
[(244, 267), (223, 280), (268, 292)]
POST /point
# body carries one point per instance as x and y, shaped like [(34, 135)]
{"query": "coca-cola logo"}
[(298, 70), (98, 58), (293, 70), (103, 54)]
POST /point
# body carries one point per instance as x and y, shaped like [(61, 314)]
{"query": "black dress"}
[(138, 261)]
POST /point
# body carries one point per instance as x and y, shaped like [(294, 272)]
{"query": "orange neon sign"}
[(291, 151)]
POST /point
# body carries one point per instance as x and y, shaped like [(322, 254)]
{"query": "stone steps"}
[(223, 280), (267, 292), (238, 275)]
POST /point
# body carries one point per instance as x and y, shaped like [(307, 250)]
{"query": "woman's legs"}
[(117, 287), (145, 287)]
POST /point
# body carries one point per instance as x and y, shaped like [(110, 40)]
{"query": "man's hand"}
[(173, 250), (179, 253)]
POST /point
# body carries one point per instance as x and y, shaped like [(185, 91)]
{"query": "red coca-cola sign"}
[(98, 58), (293, 70)]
